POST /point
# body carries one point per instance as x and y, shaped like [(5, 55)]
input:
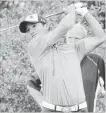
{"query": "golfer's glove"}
[(81, 9)]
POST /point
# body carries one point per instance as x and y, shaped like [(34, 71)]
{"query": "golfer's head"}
[(32, 24), (78, 31)]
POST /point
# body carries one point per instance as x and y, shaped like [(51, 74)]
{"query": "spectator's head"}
[(33, 24), (78, 31)]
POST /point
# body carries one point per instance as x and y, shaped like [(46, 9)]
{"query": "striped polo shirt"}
[(58, 68)]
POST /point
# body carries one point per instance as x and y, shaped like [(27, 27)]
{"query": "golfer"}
[(58, 66)]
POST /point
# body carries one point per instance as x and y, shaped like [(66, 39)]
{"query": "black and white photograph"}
[(52, 56)]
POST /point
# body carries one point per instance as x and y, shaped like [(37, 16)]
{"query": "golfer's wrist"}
[(84, 12)]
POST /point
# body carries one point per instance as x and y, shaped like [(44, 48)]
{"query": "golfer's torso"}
[(60, 74)]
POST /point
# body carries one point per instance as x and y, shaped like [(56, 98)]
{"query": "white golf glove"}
[(81, 9)]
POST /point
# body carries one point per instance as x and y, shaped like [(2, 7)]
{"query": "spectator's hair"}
[(77, 31)]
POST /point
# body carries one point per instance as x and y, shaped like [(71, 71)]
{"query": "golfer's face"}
[(31, 28)]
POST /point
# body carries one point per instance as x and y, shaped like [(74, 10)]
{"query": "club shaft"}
[(54, 14)]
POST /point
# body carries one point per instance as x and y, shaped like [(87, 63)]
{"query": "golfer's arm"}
[(95, 27), (66, 23), (39, 44), (92, 43), (97, 31)]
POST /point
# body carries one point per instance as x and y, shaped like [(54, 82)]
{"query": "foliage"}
[(15, 65)]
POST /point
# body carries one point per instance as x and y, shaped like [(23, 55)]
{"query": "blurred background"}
[(15, 65)]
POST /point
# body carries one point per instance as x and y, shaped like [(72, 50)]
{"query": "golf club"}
[(45, 17)]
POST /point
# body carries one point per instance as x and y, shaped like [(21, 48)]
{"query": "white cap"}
[(32, 18)]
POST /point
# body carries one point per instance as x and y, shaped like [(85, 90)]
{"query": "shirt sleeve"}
[(37, 46), (81, 49)]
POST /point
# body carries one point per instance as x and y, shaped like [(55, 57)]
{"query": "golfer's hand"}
[(82, 11), (69, 9), (81, 8)]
